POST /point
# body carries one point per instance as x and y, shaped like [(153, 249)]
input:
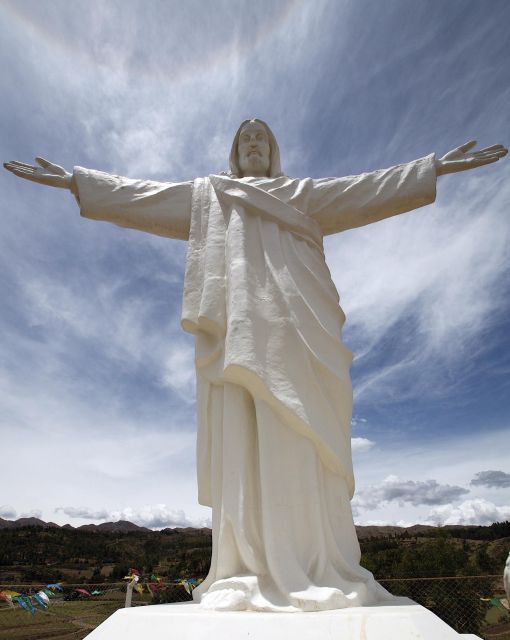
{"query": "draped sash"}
[(204, 281)]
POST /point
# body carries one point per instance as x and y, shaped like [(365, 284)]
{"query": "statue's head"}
[(255, 151)]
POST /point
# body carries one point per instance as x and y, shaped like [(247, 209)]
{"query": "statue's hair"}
[(275, 169)]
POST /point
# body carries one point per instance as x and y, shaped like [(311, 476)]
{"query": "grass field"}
[(62, 621)]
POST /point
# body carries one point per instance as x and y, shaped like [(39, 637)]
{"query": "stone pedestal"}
[(404, 620)]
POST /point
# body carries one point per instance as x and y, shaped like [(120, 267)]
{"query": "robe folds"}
[(274, 396)]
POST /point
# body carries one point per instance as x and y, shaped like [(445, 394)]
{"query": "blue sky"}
[(97, 408)]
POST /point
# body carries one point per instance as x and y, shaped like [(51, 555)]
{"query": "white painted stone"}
[(403, 621)]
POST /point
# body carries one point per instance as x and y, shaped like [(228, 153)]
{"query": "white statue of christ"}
[(274, 397)]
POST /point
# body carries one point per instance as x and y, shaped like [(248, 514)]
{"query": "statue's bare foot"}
[(320, 599), (225, 600)]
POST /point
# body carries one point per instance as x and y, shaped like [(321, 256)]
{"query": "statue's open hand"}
[(462, 158), (47, 173)]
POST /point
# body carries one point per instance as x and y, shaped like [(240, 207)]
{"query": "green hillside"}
[(49, 553)]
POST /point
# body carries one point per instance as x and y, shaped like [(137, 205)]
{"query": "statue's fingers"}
[(43, 162), (479, 162), (485, 154), (30, 170), (500, 153), (52, 168), (23, 173), (467, 146), (494, 147), (12, 166), (15, 163)]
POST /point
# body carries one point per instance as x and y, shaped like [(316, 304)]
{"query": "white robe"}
[(274, 396)]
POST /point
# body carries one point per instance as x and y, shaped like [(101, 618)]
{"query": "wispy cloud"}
[(6, 511), (432, 277), (361, 445), (498, 479), (33, 513), (477, 511), (83, 512), (415, 492), (155, 516), (179, 371)]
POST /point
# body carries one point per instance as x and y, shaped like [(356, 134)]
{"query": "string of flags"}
[(494, 601), (156, 583), (41, 599), (30, 602)]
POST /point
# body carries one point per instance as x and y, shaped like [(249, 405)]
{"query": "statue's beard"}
[(254, 159)]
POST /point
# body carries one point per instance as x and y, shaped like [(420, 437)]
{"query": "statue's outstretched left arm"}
[(338, 204)]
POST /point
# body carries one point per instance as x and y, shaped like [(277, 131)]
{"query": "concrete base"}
[(403, 621)]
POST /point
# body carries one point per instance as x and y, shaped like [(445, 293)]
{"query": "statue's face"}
[(253, 150)]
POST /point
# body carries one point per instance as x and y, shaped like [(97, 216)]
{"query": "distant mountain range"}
[(124, 526), (121, 525)]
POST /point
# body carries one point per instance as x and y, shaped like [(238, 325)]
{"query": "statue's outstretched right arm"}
[(161, 208)]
